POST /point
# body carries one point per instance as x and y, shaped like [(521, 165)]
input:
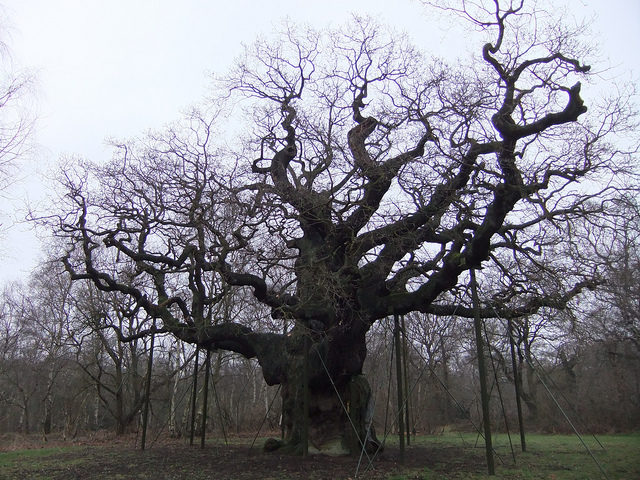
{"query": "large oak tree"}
[(345, 177)]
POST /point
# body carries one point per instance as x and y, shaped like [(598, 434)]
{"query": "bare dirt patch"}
[(116, 458)]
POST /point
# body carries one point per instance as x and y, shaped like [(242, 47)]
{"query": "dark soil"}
[(175, 459)]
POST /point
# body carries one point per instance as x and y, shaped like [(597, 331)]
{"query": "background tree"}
[(605, 342), (48, 315), (368, 182), (116, 368), (17, 380), (615, 315), (16, 123)]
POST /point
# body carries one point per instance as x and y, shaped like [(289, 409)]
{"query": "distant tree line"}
[(64, 369)]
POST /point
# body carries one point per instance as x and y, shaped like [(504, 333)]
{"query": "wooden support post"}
[(405, 361), (145, 414), (282, 425), (305, 396), (518, 386), (205, 402), (396, 334), (194, 395), (482, 373)]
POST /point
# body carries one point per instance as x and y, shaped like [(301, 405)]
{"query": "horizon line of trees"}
[(63, 372)]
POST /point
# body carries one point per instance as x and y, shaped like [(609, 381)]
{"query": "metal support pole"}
[(482, 373)]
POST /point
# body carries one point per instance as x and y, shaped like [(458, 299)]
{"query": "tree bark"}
[(339, 400), (48, 404), (174, 429)]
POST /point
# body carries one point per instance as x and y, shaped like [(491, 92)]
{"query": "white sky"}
[(113, 69)]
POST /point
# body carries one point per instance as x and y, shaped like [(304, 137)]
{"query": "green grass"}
[(548, 457), (35, 455), (35, 464)]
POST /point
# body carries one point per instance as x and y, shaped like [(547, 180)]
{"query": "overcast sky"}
[(113, 69)]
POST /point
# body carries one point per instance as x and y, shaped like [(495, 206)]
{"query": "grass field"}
[(549, 457), (444, 457)]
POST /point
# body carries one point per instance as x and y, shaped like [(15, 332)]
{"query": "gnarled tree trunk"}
[(339, 395)]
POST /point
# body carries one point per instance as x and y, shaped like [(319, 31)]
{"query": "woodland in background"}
[(62, 371)]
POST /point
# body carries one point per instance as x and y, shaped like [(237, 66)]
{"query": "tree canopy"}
[(338, 177)]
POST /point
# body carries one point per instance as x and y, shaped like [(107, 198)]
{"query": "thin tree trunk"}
[(174, 393), (24, 414), (447, 407), (96, 410), (119, 398), (48, 405)]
